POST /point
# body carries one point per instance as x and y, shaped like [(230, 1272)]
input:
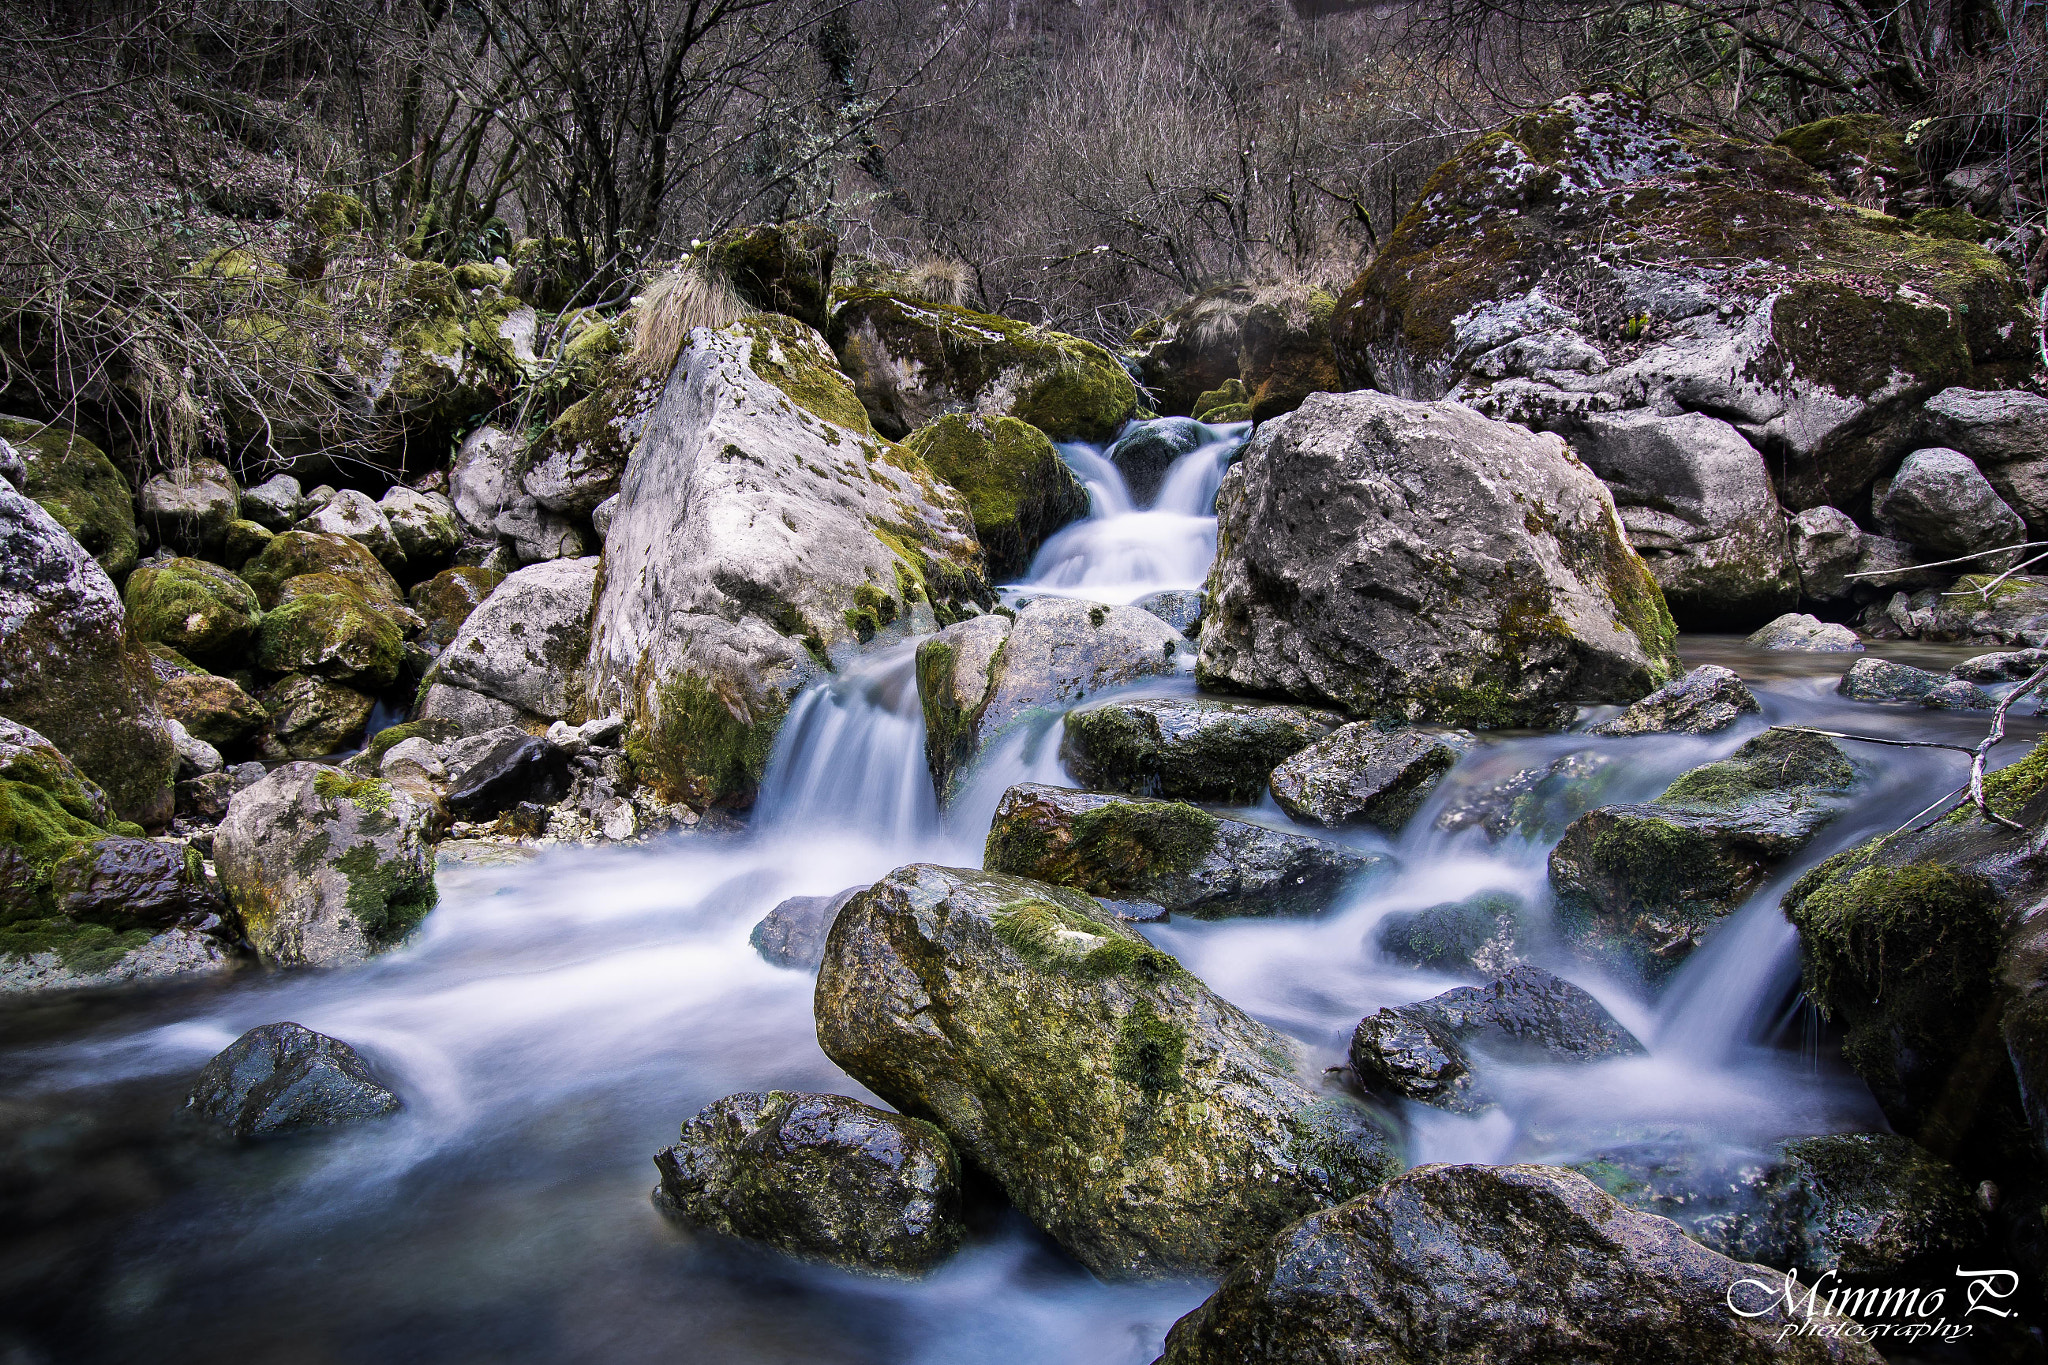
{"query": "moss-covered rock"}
[(446, 600), (1187, 748), (79, 486), (1016, 485), (243, 541), (198, 609), (325, 625), (1537, 803), (311, 552), (47, 809), (1150, 1127), (311, 717), (780, 267), (1227, 402), (214, 709), (1864, 157), (1483, 933), (911, 362), (325, 869)]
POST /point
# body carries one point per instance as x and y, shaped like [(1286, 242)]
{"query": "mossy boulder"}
[(1190, 353), (1641, 884), (323, 868), (1414, 562), (1864, 157), (445, 601), (1227, 402), (198, 609), (1284, 353), (311, 717), (1483, 933), (912, 362), (243, 541), (1703, 272), (1708, 699), (325, 625), (78, 485), (424, 526), (780, 268), (310, 552), (1174, 855), (1150, 1127), (1187, 748), (575, 462), (1240, 351), (1017, 487), (215, 710), (47, 809)]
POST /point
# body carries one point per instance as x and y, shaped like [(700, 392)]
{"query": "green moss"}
[(1678, 870), (784, 353), (1925, 927), (191, 606), (83, 948), (72, 480), (1776, 761), (1118, 848), (1230, 395), (1149, 1051), (388, 899), (1054, 938), (1846, 141), (306, 552), (1017, 487), (44, 815), (434, 730), (367, 793), (1445, 937), (331, 214), (325, 626), (702, 748)]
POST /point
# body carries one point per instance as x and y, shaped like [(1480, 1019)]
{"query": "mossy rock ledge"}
[(1148, 1126), (1016, 485)]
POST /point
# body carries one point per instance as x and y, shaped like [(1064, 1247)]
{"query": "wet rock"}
[(1192, 748), (1171, 854), (67, 668), (911, 362), (275, 503), (2004, 666), (1978, 609), (1180, 608), (1957, 695), (1706, 700), (1017, 487), (1883, 680), (982, 675), (2006, 433), (1698, 505), (1942, 504), (311, 717), (1827, 547), (327, 626), (1373, 549), (1505, 1265), (525, 645), (424, 526), (1426, 1051), (283, 1078), (1483, 933), (1797, 631), (1148, 1126), (1639, 884), (306, 552), (1194, 348), (1145, 452), (1536, 803), (213, 709), (793, 933), (1361, 775), (206, 798), (793, 546), (445, 601), (199, 609), (72, 479), (512, 771), (483, 480), (820, 1177), (324, 869), (190, 505), (128, 883)]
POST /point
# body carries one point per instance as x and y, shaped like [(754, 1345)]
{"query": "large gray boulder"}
[(1150, 1127), (762, 529), (190, 505), (1943, 505), (1190, 748), (1361, 775), (353, 514), (1699, 507), (977, 678), (323, 868), (424, 526), (821, 1177), (524, 647), (282, 1078), (1500, 1265), (1171, 854), (1827, 546), (1805, 634), (483, 480), (67, 668), (274, 504), (1417, 561), (2006, 433)]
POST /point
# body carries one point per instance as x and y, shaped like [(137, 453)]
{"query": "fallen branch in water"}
[(1973, 791)]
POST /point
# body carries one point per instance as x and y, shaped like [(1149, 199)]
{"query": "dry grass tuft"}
[(674, 305)]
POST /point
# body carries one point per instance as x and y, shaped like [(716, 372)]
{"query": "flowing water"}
[(554, 1022)]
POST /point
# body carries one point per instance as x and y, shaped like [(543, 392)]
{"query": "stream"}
[(554, 1021)]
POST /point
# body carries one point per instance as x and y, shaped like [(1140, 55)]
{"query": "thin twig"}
[(1944, 563)]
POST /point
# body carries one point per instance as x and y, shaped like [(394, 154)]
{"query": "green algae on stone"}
[(309, 552), (701, 749), (1017, 487), (324, 625), (786, 353), (1110, 850), (78, 485), (196, 608)]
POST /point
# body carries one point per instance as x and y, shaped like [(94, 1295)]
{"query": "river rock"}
[(1827, 547), (307, 552), (311, 717), (525, 645), (1361, 775), (1807, 634), (1425, 1051), (445, 601), (324, 869), (190, 505), (1191, 748), (275, 503), (195, 756), (1705, 701), (483, 479), (802, 537), (980, 676), (1814, 327), (1957, 695), (1980, 609), (424, 526), (793, 933), (1482, 933), (1497, 1265), (199, 609), (325, 625), (1150, 1127), (1883, 680), (912, 362), (1942, 504), (72, 479), (67, 668), (2006, 433), (1145, 452), (1536, 803), (1174, 855), (820, 1177), (2005, 666), (1418, 562), (1641, 883), (353, 514), (282, 1078), (1698, 505), (127, 883), (514, 770), (1180, 608), (1017, 487)]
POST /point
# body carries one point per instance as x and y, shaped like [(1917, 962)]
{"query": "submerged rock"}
[(1017, 487), (1642, 883), (1706, 700), (1145, 452), (1174, 855), (1496, 1265), (281, 1078), (1797, 631), (820, 1177), (1418, 562), (1150, 1127), (1536, 803), (793, 933), (1483, 933), (1425, 1051), (1192, 748), (1361, 775), (1883, 680)]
